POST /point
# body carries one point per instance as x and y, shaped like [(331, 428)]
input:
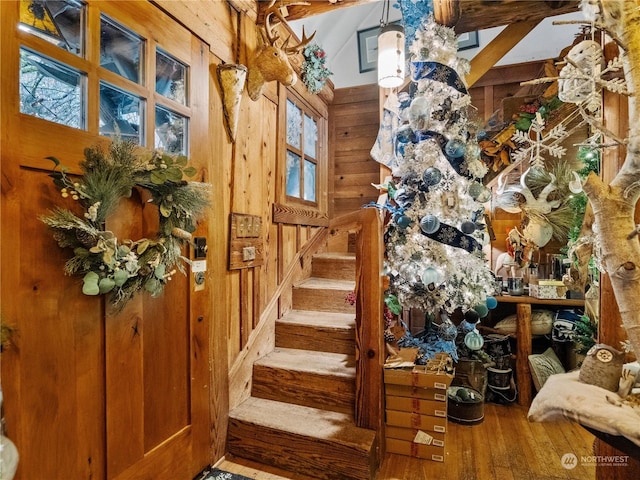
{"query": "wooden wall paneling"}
[(222, 283), (245, 307), (257, 299), (354, 119), (234, 315), (289, 242), (204, 308), (488, 100), (200, 16)]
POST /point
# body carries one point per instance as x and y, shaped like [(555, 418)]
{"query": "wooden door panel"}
[(89, 392), (53, 373), (166, 364)]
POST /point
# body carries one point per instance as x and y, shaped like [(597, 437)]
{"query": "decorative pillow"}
[(565, 397), (543, 365), (541, 323)]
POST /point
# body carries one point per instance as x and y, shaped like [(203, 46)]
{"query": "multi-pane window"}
[(51, 90), (302, 153), (58, 22), (145, 101)]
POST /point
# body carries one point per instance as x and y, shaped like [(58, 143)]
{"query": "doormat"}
[(217, 474)]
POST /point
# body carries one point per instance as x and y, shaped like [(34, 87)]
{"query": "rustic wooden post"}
[(369, 318), (523, 333)]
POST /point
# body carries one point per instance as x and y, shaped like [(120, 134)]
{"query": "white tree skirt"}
[(564, 397)]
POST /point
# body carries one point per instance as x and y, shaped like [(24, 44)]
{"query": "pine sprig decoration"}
[(314, 72), (126, 267)]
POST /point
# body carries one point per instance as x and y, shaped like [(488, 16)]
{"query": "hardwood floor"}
[(505, 446)]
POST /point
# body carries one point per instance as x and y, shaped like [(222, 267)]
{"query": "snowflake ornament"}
[(581, 81), (548, 143)]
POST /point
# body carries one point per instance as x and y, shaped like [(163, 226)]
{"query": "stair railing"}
[(367, 225)]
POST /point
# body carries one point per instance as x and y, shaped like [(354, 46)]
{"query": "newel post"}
[(369, 322)]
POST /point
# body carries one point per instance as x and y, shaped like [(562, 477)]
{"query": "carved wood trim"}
[(299, 216)]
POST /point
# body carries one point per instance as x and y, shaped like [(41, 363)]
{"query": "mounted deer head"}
[(271, 62)]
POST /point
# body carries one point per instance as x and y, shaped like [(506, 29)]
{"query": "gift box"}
[(415, 420), (548, 289), (438, 374), (413, 449), (417, 405), (415, 435), (416, 392)]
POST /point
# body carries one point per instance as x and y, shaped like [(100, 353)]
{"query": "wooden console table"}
[(523, 337)]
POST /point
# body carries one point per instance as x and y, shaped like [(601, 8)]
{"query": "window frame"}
[(297, 210), (175, 43)]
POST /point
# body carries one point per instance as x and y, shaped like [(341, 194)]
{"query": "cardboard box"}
[(548, 289), (415, 392), (413, 449), (417, 421), (417, 405), (418, 376), (435, 439)]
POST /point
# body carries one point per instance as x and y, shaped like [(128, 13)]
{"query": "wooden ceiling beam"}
[(469, 15), (315, 7), (462, 15), (498, 48)]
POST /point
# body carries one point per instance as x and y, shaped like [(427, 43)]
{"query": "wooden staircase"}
[(300, 416)]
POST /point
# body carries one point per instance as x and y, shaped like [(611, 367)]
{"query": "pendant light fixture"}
[(391, 59)]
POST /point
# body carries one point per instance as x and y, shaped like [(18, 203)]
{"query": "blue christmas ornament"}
[(481, 309), (432, 176), (447, 330), (430, 275), (405, 134), (429, 224), (466, 326), (475, 189), (403, 221), (468, 227), (455, 148), (473, 340), (491, 302)]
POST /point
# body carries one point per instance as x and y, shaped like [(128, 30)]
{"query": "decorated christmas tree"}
[(436, 232)]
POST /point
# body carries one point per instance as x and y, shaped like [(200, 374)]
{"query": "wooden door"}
[(90, 392)]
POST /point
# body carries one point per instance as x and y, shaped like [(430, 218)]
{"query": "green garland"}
[(314, 73), (123, 268)]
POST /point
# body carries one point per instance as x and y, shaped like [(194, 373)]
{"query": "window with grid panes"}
[(142, 90), (302, 153)]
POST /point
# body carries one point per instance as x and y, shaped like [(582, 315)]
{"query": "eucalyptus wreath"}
[(314, 73), (123, 268)]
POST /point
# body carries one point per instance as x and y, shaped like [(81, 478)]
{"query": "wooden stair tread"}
[(339, 256), (319, 319), (321, 425), (323, 363), (327, 284)]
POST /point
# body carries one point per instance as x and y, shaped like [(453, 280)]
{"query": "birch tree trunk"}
[(614, 204)]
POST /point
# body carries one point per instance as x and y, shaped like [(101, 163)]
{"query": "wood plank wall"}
[(353, 122)]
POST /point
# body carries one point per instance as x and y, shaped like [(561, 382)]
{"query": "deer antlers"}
[(272, 37), (540, 204)]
